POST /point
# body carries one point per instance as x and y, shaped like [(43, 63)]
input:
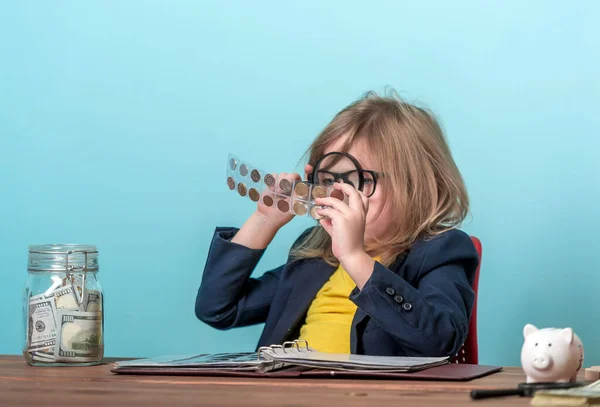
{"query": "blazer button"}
[(407, 306), (390, 291), (399, 299)]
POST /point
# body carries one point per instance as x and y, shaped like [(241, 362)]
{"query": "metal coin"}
[(270, 180), (232, 164), (231, 183), (314, 214), (268, 200), (255, 175), (319, 192), (242, 189), (243, 170), (254, 195), (286, 186), (300, 208), (283, 206), (301, 190), (337, 194)]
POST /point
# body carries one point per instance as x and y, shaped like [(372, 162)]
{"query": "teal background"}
[(116, 119)]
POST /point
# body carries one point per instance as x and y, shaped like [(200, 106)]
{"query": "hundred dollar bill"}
[(79, 336), (64, 298), (42, 324)]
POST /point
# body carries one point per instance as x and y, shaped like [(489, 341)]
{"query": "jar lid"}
[(63, 257)]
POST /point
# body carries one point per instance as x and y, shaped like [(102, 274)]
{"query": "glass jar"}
[(63, 304)]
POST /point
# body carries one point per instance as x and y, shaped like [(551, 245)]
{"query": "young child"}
[(386, 273)]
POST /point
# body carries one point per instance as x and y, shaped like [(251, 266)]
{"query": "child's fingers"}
[(331, 213), (334, 203), (308, 169), (326, 223), (354, 200)]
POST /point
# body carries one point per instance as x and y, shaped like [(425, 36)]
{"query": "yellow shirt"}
[(329, 317)]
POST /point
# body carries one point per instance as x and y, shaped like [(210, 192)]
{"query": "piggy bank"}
[(551, 354)]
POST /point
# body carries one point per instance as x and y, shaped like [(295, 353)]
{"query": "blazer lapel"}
[(308, 280)]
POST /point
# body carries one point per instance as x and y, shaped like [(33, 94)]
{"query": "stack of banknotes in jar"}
[(65, 324)]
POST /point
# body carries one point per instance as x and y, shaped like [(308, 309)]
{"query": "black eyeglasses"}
[(363, 180), (369, 183)]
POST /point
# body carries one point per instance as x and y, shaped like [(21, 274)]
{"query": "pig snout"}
[(541, 361)]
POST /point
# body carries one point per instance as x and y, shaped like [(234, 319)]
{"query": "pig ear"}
[(566, 335), (529, 329)]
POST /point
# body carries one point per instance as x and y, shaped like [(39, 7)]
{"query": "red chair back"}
[(469, 352)]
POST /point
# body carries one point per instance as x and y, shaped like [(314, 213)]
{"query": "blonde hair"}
[(420, 179)]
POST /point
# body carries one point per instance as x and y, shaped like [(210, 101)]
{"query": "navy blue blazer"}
[(420, 306)]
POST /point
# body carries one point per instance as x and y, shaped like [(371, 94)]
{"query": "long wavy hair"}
[(421, 183)]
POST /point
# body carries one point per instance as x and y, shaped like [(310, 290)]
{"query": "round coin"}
[(243, 170), (242, 189), (231, 183), (301, 190), (319, 192), (314, 214), (283, 206), (270, 180), (255, 175), (300, 208), (254, 195), (286, 186), (337, 194), (268, 200)]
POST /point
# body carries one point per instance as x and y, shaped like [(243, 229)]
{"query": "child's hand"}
[(345, 223)]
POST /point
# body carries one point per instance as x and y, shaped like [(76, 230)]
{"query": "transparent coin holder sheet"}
[(295, 197)]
